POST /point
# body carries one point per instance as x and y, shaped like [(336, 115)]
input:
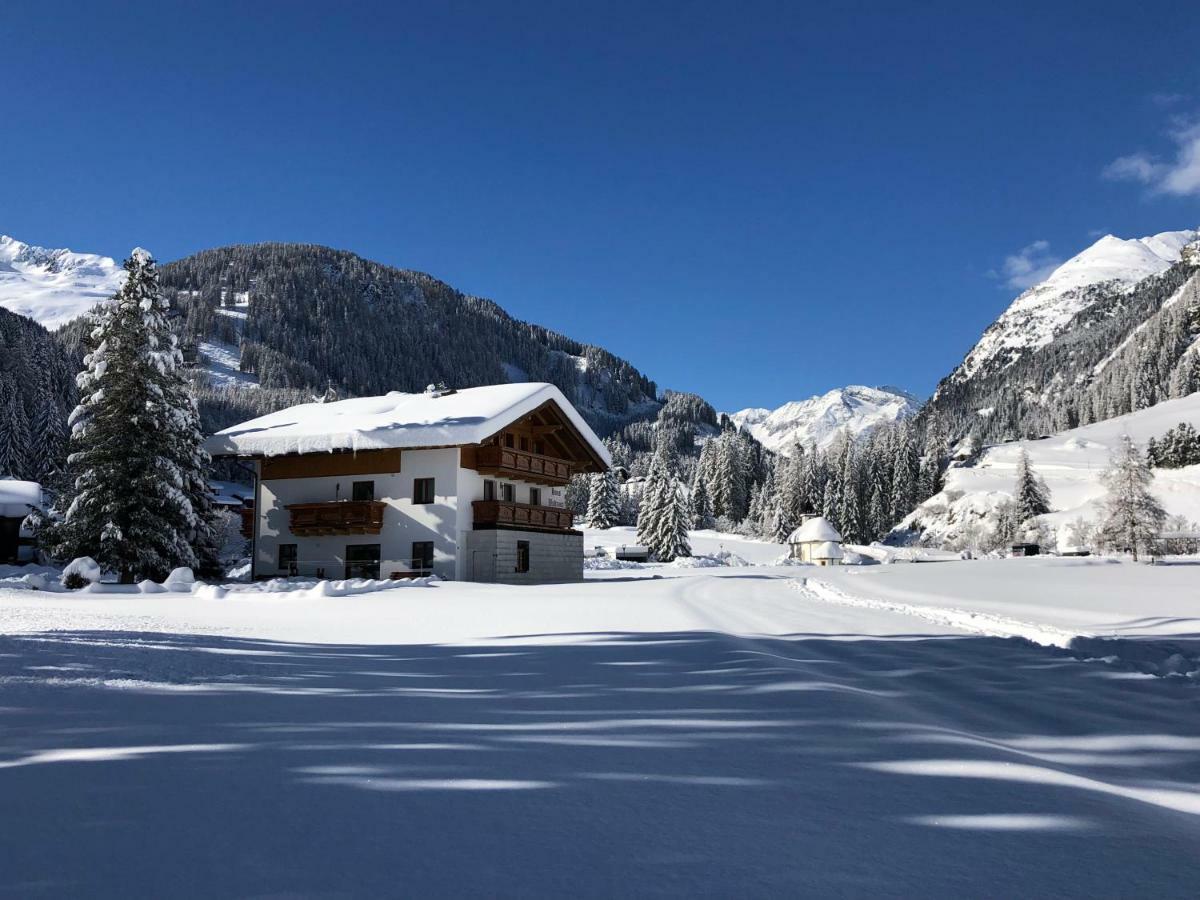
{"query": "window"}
[(524, 443), (422, 556), (489, 489), (535, 496), (422, 490), (288, 558), (539, 447), (362, 561), (522, 556), (362, 490), (507, 493), (509, 441)]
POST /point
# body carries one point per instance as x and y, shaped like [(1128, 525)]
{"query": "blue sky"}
[(754, 201)]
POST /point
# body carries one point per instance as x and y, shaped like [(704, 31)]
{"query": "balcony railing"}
[(523, 465), (337, 517), (490, 513)]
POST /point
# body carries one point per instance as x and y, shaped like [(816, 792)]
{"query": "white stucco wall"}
[(447, 521), (403, 521)]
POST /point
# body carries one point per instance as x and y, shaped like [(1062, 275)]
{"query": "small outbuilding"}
[(17, 500), (816, 541), (632, 553), (1026, 549)]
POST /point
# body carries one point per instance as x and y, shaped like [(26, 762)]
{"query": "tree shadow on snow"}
[(693, 763)]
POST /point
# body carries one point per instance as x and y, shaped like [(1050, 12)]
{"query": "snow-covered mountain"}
[(1106, 333), (1045, 311), (53, 287), (819, 418)]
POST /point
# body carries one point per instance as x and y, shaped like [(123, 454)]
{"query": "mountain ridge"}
[(820, 418), (54, 286)]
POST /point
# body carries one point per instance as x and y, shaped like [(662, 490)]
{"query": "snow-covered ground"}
[(657, 730), (222, 362), (1071, 464)]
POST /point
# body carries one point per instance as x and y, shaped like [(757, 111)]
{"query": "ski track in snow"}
[(962, 619)]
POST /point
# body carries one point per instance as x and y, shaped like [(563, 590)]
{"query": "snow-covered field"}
[(1071, 464), (659, 730)]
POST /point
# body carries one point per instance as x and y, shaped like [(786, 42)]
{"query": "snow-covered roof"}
[(17, 496), (397, 420), (827, 550), (815, 529)]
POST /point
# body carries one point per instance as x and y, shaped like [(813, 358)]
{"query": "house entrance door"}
[(362, 561)]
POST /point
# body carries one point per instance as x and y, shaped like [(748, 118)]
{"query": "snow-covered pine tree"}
[(670, 538), (604, 506), (721, 477), (656, 496), (753, 520), (1133, 517), (14, 434), (1030, 494), (904, 475), (829, 503), (702, 514), (781, 524), (849, 516), (47, 450), (877, 517), (138, 501)]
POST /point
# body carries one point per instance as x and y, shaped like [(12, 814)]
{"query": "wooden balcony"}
[(503, 514), (336, 517), (522, 465)]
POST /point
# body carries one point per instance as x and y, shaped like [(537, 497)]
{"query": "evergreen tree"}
[(657, 498), (781, 525), (849, 511), (1133, 517), (604, 507), (877, 516), (139, 502), (904, 477), (1030, 494), (14, 436), (701, 507), (48, 446), (670, 538)]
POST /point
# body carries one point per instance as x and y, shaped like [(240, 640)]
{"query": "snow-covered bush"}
[(80, 572), (181, 579)]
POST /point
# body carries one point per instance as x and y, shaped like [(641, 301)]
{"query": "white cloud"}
[(1030, 265), (1179, 176), (1166, 99)]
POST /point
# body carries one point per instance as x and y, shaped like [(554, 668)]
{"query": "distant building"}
[(816, 541), (17, 500), (463, 484), (1026, 549), (631, 553)]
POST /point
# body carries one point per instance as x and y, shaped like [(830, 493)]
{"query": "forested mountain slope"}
[(37, 392), (316, 315), (1074, 350)]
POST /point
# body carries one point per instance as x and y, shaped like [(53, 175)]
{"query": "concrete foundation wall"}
[(491, 555)]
